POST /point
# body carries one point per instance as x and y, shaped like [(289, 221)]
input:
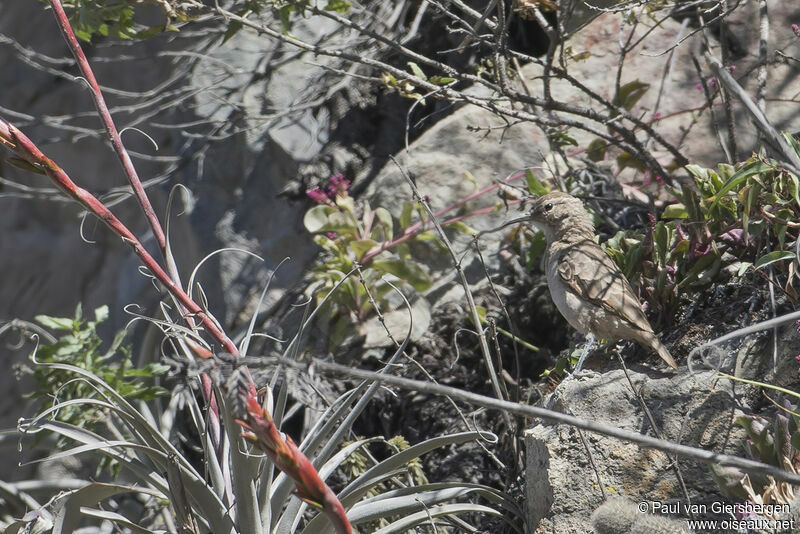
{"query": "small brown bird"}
[(586, 285)]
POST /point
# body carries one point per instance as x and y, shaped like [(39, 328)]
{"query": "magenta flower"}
[(711, 82), (318, 195), (796, 29), (337, 186)]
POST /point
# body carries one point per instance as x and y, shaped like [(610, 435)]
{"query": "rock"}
[(459, 156), (689, 409), (621, 516), (672, 100)]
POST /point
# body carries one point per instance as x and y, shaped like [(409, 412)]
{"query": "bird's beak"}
[(509, 222)]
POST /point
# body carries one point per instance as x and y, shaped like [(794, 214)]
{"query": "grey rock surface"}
[(689, 409), (673, 102)]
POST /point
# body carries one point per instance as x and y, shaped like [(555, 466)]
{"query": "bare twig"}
[(526, 410)]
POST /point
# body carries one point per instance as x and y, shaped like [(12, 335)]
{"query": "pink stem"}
[(417, 228), (105, 117)]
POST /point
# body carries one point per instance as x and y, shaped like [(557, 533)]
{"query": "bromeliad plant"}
[(237, 490)]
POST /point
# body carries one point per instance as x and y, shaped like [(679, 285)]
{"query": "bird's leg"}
[(586, 349), (551, 399)]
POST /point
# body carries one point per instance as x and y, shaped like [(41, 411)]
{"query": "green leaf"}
[(700, 173), (772, 257), (675, 211), (385, 220), (233, 28), (535, 187), (794, 187), (55, 323), (101, 314), (742, 267), (405, 216), (25, 166), (441, 80), (463, 228), (417, 71), (316, 218), (692, 204), (633, 260), (339, 6), (346, 202), (792, 142), (597, 149), (681, 248), (328, 219), (630, 93), (660, 244), (405, 270), (625, 160), (360, 248), (704, 263), (749, 169)]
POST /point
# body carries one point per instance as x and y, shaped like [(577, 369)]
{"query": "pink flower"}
[(711, 83), (337, 186), (657, 115), (796, 29), (331, 235), (318, 195)]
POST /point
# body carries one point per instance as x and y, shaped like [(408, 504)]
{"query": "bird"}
[(585, 284)]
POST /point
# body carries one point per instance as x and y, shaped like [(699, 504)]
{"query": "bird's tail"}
[(664, 353)]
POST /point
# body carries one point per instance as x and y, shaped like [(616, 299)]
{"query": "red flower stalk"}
[(261, 430)]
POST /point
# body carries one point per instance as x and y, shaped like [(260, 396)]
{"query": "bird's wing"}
[(593, 276)]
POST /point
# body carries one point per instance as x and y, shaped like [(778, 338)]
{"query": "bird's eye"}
[(548, 206)]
